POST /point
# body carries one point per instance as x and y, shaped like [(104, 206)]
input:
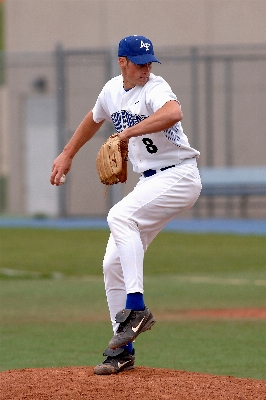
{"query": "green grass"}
[(80, 252), (47, 322), (73, 253), (234, 348)]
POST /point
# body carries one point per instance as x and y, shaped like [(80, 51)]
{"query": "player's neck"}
[(127, 90), (127, 87)]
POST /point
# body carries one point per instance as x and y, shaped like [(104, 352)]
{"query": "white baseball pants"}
[(136, 220)]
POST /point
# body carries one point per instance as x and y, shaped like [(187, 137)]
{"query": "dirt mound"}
[(76, 383)]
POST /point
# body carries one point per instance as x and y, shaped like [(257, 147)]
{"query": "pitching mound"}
[(75, 383)]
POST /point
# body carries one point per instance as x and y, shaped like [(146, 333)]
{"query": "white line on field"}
[(260, 282), (30, 274), (222, 281), (190, 279)]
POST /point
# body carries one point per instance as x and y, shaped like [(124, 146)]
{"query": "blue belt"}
[(151, 172)]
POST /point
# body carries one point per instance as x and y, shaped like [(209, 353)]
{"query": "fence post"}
[(209, 109), (115, 190), (61, 119), (209, 121), (194, 63), (228, 112), (195, 97)]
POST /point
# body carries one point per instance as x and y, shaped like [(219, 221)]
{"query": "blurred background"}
[(56, 55)]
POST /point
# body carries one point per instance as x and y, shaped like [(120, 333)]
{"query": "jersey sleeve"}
[(159, 93), (99, 110)]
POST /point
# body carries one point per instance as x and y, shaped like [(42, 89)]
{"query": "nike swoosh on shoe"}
[(121, 365), (137, 327)]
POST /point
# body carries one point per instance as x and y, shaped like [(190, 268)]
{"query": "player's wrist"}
[(68, 152), (124, 135)]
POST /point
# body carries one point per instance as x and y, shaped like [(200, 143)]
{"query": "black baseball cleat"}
[(131, 324), (117, 360)]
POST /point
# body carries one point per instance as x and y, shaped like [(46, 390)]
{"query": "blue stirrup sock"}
[(135, 301), (128, 347)]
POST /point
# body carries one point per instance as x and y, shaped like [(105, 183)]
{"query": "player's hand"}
[(61, 166), (124, 136)]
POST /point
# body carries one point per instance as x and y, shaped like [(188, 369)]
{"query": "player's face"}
[(134, 74)]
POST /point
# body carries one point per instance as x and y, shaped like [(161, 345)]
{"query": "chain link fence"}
[(44, 96)]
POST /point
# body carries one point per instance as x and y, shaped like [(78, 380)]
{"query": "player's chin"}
[(143, 81)]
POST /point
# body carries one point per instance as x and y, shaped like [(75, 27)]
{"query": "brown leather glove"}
[(111, 161)]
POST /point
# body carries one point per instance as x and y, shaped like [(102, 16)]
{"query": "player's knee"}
[(106, 266), (114, 217), (112, 272)]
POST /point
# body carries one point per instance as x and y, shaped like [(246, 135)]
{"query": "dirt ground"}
[(75, 383)]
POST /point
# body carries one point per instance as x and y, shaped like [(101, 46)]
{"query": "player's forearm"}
[(85, 131), (162, 119)]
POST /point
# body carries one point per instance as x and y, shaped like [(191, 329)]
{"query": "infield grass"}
[(49, 322)]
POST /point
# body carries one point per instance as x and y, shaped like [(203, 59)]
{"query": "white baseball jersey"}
[(128, 108)]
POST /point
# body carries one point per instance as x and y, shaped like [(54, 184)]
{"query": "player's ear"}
[(122, 62)]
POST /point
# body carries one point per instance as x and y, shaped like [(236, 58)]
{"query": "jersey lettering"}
[(151, 148), (124, 119), (172, 134)]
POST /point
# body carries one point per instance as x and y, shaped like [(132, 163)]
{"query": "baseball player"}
[(146, 114)]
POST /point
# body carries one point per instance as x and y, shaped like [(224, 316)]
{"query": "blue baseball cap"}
[(138, 49)]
